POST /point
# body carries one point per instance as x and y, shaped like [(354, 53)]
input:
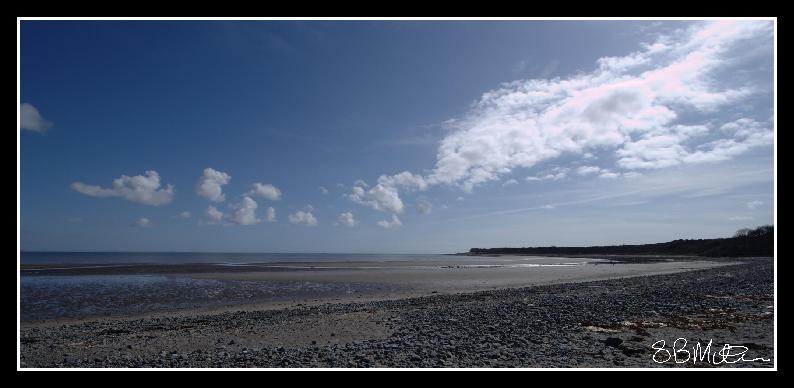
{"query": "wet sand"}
[(603, 323), (58, 293)]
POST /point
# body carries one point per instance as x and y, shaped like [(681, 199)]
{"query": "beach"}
[(461, 314)]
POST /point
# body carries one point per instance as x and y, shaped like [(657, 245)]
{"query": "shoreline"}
[(591, 323), (393, 285)]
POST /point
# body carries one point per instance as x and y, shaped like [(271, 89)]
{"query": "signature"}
[(680, 354)]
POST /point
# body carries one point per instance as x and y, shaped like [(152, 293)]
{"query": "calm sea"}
[(221, 258)]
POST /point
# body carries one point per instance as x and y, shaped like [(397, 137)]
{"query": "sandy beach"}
[(575, 322), (69, 293)]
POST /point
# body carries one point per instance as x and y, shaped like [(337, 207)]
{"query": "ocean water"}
[(219, 258), (57, 285), (86, 296)]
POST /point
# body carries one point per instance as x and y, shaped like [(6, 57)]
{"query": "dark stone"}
[(613, 342)]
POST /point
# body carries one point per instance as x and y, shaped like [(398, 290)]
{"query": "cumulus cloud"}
[(674, 101), (380, 197), (608, 175), (143, 223), (553, 177), (143, 189), (587, 170), (266, 191), (323, 190), (303, 218), (629, 104), (31, 119), (184, 214), (385, 196), (214, 215), (423, 206), (603, 172), (752, 205), (404, 180), (510, 182), (394, 223), (347, 219), (270, 215), (245, 212), (211, 184)]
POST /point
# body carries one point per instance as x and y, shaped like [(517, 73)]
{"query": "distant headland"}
[(745, 243)]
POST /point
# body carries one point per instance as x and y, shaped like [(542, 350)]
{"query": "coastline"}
[(591, 323), (178, 288)]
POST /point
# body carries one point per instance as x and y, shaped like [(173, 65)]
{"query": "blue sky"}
[(391, 136)]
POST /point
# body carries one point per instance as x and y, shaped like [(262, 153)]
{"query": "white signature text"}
[(710, 354)]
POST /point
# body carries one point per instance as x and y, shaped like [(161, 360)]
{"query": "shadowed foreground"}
[(602, 324)]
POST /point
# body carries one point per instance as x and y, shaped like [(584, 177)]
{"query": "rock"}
[(613, 342)]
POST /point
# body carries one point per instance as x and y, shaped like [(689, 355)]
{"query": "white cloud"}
[(740, 218), (752, 205), (266, 191), (385, 195), (632, 104), (587, 170), (608, 175), (211, 184), (394, 223), (270, 216), (303, 218), (405, 180), (143, 223), (602, 172), (30, 119), (646, 107), (380, 197), (423, 206), (143, 189), (553, 177), (510, 182), (245, 212), (360, 182), (184, 214), (214, 215), (323, 190), (347, 219)]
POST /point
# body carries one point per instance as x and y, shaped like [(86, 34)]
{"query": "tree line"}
[(745, 243)]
